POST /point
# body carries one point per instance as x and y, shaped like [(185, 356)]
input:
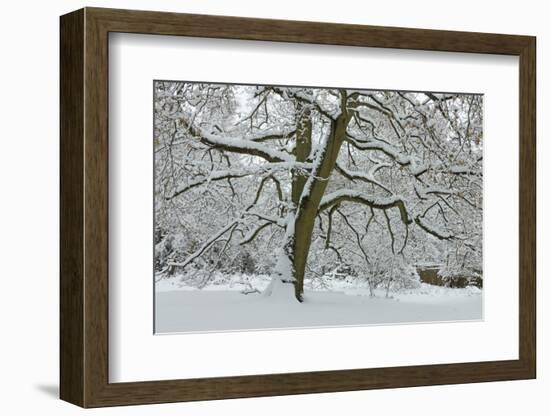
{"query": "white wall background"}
[(29, 207)]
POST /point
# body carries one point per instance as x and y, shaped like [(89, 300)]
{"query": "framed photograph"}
[(255, 207)]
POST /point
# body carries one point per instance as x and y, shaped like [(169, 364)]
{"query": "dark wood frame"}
[(84, 208)]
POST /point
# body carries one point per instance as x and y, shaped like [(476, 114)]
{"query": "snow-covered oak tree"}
[(297, 182)]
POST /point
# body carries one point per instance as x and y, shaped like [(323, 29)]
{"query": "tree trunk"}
[(301, 150), (310, 198)]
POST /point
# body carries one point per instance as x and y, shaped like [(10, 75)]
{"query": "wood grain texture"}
[(162, 23), (527, 207), (84, 207), (71, 209)]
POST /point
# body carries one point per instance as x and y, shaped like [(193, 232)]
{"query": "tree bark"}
[(302, 149), (311, 195)]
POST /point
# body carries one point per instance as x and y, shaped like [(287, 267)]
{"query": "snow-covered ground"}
[(224, 307)]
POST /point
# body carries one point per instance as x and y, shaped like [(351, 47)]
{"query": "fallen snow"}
[(225, 308)]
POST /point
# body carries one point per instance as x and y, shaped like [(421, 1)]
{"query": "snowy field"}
[(225, 307)]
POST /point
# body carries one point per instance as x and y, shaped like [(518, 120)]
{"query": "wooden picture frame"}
[(84, 218)]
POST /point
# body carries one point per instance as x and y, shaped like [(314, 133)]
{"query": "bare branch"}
[(373, 202), (440, 234), (253, 234), (206, 245)]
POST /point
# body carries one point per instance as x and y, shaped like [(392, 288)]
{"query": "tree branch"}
[(237, 145), (373, 202), (353, 176), (206, 245), (440, 234), (253, 234)]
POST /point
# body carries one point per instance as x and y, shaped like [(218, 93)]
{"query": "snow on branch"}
[(463, 170), (253, 233), (273, 220), (433, 229), (271, 134), (416, 167), (206, 245), (384, 203), (214, 176), (237, 145), (277, 161), (402, 159), (365, 177), (262, 169), (308, 99)]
